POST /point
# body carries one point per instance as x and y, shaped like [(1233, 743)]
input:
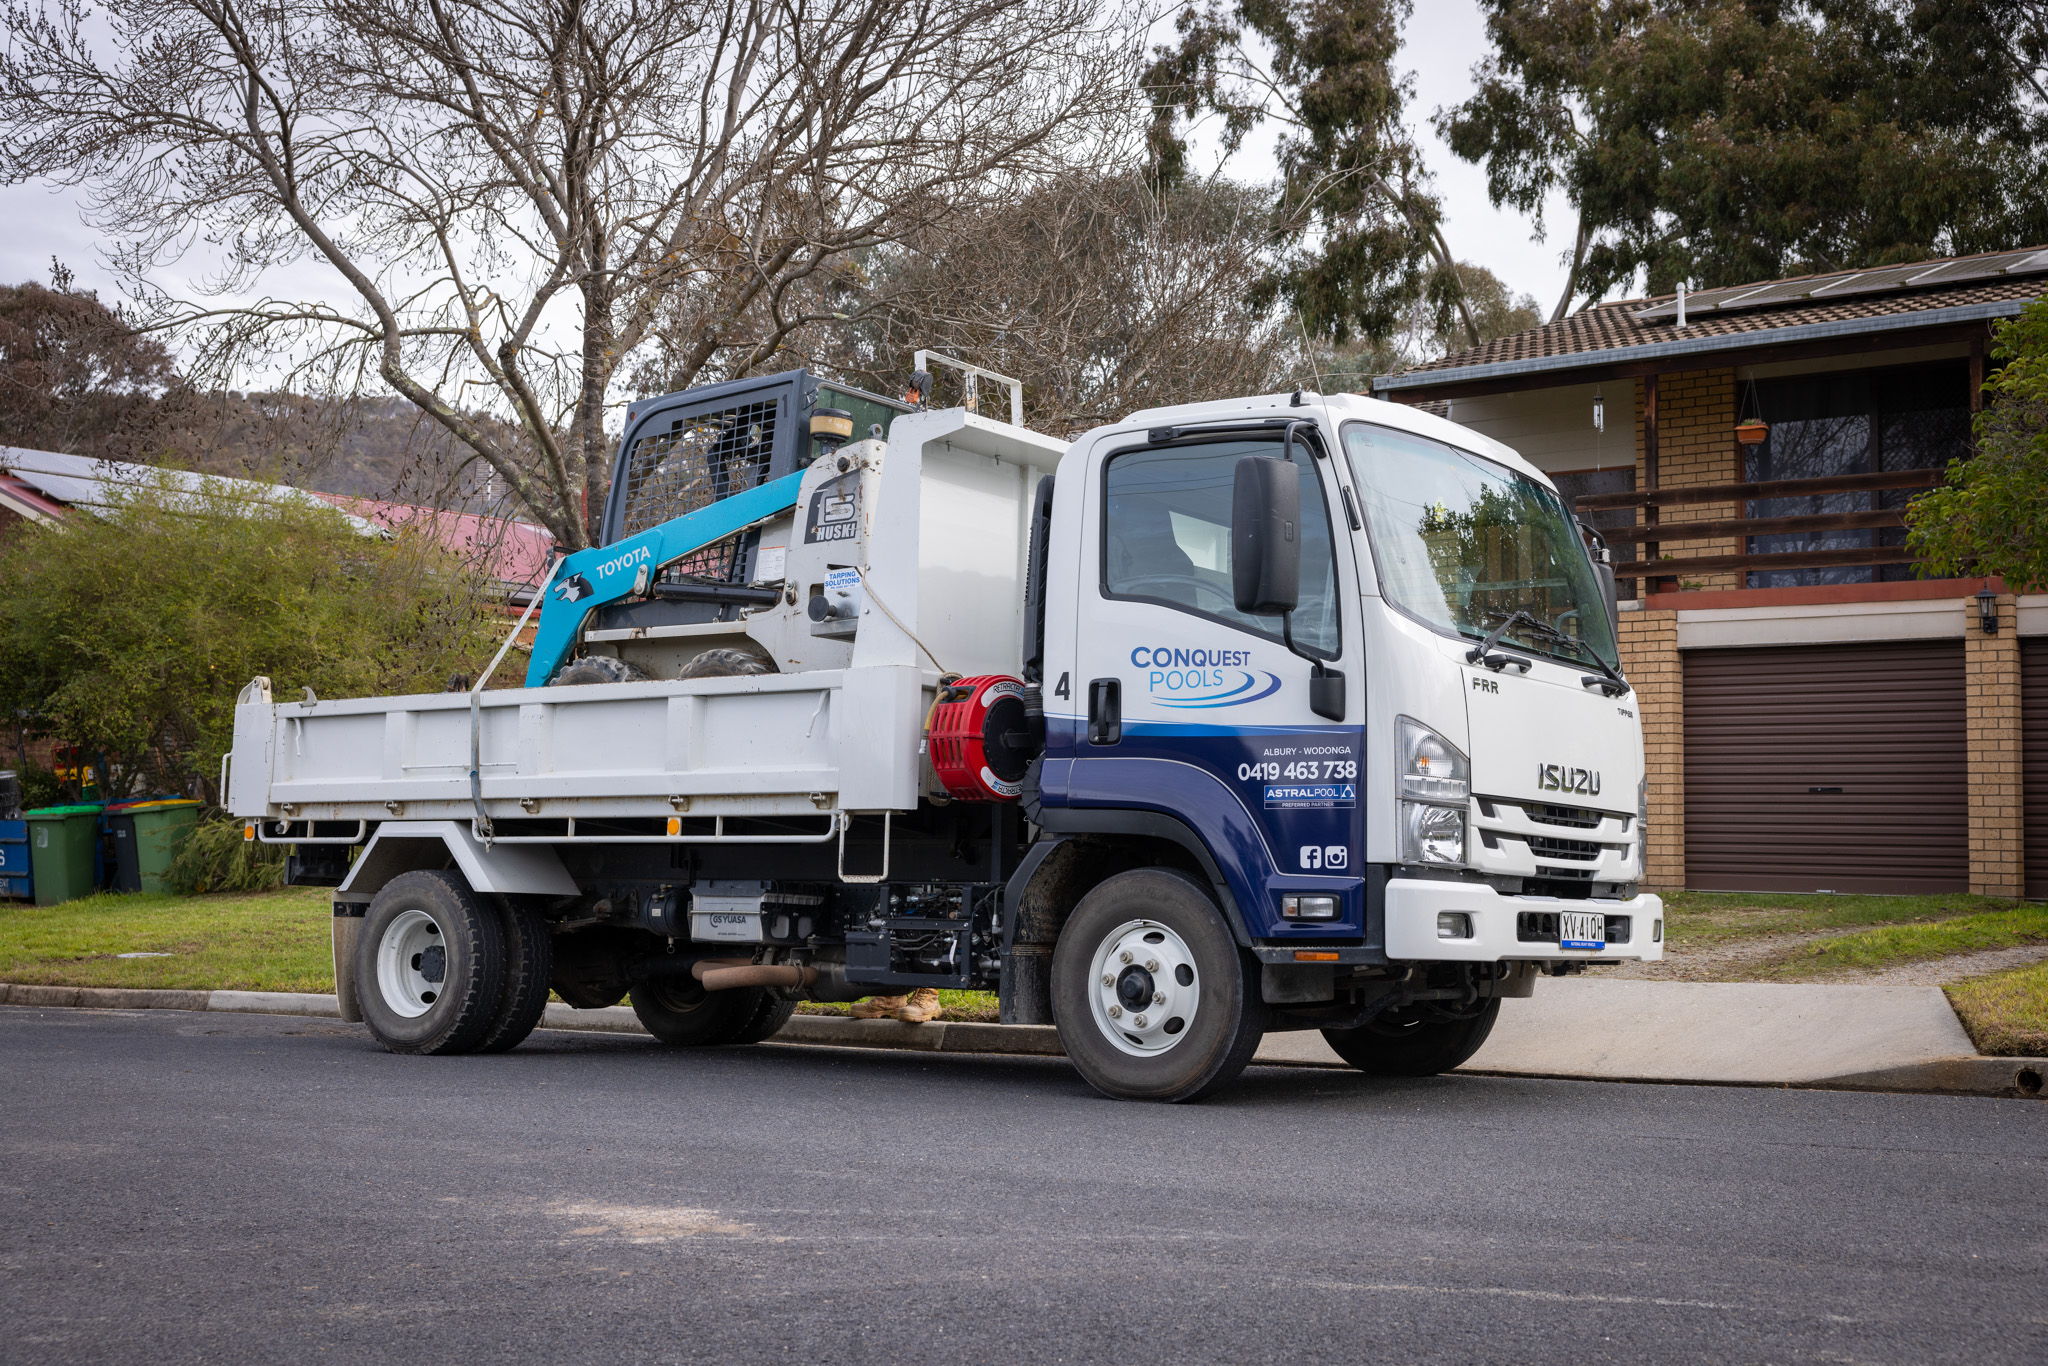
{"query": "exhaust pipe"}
[(724, 974)]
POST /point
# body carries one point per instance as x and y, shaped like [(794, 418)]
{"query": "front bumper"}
[(1413, 904)]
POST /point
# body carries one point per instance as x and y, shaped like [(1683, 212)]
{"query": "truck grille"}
[(1543, 846), (1576, 816)]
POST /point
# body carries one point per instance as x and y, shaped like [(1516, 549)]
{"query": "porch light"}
[(1987, 610)]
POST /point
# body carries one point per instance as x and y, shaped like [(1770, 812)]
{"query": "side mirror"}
[(1603, 569), (1265, 544)]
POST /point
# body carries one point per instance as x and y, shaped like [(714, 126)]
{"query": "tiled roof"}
[(1612, 326)]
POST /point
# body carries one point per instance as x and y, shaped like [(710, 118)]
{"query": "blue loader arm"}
[(602, 574)]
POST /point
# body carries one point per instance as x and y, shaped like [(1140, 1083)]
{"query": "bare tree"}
[(513, 193), (1101, 291)]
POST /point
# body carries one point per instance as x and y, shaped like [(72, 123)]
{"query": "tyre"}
[(680, 1013), (1151, 995), (430, 965), (596, 669), (1413, 1041), (529, 964), (728, 661), (769, 1018)]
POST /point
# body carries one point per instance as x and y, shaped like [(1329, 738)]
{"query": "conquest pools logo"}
[(1192, 679)]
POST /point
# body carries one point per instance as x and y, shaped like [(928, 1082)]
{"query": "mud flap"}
[(348, 921)]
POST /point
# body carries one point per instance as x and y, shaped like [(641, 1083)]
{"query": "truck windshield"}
[(1463, 543)]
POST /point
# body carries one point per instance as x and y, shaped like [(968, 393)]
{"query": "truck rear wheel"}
[(1150, 991), (679, 1012), (529, 964), (430, 965), (1414, 1041)]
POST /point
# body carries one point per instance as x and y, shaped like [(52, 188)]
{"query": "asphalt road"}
[(195, 1187)]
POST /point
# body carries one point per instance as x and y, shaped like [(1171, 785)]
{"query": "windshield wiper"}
[(1608, 680), (1482, 653)]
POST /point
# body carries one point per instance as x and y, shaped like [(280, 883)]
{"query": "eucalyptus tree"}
[(1357, 227), (1720, 141)]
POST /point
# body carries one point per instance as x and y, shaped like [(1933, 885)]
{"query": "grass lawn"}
[(1710, 919), (2006, 1012), (254, 941), (257, 941), (1885, 946)]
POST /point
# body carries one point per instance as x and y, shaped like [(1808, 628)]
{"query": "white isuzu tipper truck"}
[(1288, 712)]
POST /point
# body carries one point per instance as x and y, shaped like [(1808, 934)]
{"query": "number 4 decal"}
[(1061, 688)]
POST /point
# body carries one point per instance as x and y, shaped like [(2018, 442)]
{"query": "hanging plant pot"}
[(1752, 432)]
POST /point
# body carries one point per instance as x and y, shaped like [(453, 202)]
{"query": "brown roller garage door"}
[(1826, 767), (2034, 760)]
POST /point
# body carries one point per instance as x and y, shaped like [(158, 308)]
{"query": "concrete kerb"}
[(1515, 1054)]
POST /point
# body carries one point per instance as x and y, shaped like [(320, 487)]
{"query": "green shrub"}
[(215, 858), (129, 633)]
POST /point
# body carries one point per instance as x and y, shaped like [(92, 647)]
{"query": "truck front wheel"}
[(1150, 992), (1414, 1041), (430, 965)]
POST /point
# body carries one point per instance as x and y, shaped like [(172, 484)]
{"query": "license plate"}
[(1581, 930)]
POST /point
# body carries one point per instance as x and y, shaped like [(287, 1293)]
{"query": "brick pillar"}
[(1991, 667), (1649, 656)]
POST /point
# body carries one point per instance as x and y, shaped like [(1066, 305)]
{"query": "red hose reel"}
[(981, 737)]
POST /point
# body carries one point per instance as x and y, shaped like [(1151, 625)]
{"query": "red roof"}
[(513, 552), (25, 498)]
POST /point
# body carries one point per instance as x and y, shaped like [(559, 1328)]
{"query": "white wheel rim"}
[(412, 963), (1143, 988)]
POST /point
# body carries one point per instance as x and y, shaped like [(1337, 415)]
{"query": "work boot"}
[(923, 1005), (877, 1007)]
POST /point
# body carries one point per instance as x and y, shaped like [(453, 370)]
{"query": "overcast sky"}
[(1444, 40)]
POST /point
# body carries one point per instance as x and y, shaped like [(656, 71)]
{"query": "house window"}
[(1856, 422), (1577, 484)]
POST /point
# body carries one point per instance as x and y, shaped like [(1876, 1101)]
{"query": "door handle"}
[(1105, 711)]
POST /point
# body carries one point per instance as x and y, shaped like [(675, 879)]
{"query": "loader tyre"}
[(680, 1013), (529, 964), (596, 669), (1414, 1041), (430, 965), (1151, 994), (729, 661)]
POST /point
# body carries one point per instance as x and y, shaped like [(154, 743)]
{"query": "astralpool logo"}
[(1198, 678)]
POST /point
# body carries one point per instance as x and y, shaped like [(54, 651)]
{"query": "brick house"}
[(1818, 716)]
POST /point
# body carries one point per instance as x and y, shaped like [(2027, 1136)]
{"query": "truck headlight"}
[(1432, 834), (1432, 768)]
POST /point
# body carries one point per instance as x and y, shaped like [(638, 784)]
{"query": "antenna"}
[(1308, 349)]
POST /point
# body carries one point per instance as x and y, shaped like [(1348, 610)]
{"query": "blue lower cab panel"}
[(15, 887), (13, 859), (1277, 806)]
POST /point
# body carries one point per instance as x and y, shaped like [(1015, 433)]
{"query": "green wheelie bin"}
[(146, 839), (61, 843)]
